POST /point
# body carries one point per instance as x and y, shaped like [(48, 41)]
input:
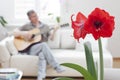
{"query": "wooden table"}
[(0, 65)]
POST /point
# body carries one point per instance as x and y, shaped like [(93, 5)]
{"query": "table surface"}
[(11, 70), (20, 75)]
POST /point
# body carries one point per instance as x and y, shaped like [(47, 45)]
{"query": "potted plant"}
[(57, 18), (100, 24)]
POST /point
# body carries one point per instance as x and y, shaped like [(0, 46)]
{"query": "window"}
[(42, 7), (22, 6)]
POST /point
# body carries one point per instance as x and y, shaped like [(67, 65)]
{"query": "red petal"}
[(78, 26), (80, 17), (104, 30)]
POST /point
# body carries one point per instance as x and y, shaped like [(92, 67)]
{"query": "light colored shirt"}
[(44, 29)]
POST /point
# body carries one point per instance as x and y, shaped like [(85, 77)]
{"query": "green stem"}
[(101, 60)]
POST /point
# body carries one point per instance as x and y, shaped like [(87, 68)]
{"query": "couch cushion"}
[(3, 33), (55, 44), (4, 53), (94, 43), (67, 41), (10, 46), (22, 62)]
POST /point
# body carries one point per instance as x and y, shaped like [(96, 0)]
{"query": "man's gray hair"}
[(30, 12)]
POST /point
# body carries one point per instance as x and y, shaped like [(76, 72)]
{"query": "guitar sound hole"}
[(33, 36)]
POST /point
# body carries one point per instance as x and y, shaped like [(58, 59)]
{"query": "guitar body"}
[(22, 44)]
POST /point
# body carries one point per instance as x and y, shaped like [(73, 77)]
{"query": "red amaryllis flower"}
[(100, 24), (78, 26)]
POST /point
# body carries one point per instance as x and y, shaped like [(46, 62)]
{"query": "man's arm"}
[(53, 33), (22, 34), (18, 33)]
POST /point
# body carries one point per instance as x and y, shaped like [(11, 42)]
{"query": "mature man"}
[(40, 49)]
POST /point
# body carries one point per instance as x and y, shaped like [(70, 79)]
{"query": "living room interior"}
[(65, 48)]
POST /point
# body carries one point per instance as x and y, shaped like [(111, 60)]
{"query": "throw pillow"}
[(94, 43), (11, 47), (3, 33), (55, 43), (67, 41)]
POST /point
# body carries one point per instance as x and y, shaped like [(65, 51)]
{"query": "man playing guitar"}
[(40, 48)]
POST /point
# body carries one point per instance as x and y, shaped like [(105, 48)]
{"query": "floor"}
[(48, 79), (116, 64)]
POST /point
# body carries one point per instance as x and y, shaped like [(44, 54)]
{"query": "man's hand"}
[(23, 34), (51, 37), (53, 33), (27, 36)]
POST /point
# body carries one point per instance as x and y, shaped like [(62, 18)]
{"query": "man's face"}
[(33, 17)]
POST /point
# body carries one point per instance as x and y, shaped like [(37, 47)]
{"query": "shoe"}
[(59, 69), (40, 78)]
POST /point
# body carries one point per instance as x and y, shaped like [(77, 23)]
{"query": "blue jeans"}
[(45, 56)]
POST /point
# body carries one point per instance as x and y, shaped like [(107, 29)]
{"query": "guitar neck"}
[(62, 25)]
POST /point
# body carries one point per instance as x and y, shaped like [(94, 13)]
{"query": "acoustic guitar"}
[(21, 44)]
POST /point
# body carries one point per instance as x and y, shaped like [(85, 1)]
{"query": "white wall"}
[(7, 10), (69, 7)]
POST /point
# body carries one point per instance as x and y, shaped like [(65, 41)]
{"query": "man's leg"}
[(50, 58), (41, 67), (36, 50), (45, 55), (48, 55), (43, 47)]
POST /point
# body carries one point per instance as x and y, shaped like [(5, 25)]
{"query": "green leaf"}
[(58, 19), (2, 23), (89, 60), (101, 59), (83, 71), (50, 14), (63, 78), (3, 20)]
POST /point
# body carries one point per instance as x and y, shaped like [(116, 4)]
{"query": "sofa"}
[(64, 48)]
